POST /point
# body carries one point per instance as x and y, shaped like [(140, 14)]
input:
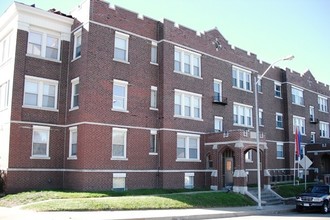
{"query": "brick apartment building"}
[(109, 99)]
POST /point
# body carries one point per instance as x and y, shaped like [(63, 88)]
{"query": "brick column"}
[(267, 177), (240, 181)]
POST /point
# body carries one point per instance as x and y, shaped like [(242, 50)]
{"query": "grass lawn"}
[(134, 200), (287, 191)]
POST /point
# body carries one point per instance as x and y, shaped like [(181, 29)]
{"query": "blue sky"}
[(272, 29)]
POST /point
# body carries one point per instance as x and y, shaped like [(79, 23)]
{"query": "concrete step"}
[(267, 196)]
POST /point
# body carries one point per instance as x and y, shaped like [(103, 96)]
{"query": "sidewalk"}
[(17, 214)]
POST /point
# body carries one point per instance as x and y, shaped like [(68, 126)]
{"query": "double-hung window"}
[(73, 142), (153, 98), (241, 78), (248, 156), (187, 105), (40, 142), (5, 48), (189, 180), (323, 104), (44, 45), (188, 147), (75, 93), (153, 142), (313, 138), (279, 120), (119, 140), (242, 115), (279, 150), (187, 62), (218, 124), (77, 44), (297, 96), (311, 113), (4, 95), (217, 90), (154, 59), (121, 47), (299, 122), (324, 129), (118, 181), (261, 117), (40, 93), (119, 95), (277, 89)]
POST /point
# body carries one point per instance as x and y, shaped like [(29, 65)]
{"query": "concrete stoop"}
[(268, 196)]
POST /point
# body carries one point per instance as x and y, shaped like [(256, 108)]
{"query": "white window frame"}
[(278, 121), (192, 57), (324, 129), (245, 111), (119, 181), (313, 137), (261, 117), (123, 132), (322, 104), (73, 131), (187, 138), (299, 122), (43, 46), (125, 37), (154, 53), (249, 156), (41, 82), (189, 180), (297, 95), (153, 142), (4, 95), (217, 85), (218, 124), (153, 98), (45, 129), (311, 113), (240, 74), (184, 96), (5, 48), (74, 93), (278, 93), (280, 149), (77, 43), (123, 84)]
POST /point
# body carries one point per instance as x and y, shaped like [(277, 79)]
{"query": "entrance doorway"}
[(228, 167)]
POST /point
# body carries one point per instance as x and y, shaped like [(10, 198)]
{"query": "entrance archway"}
[(227, 162)]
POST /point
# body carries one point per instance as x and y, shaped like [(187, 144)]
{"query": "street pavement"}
[(205, 213)]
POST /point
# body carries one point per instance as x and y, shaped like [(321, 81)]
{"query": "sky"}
[(272, 29)]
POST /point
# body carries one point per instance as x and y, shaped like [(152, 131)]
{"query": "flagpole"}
[(294, 166)]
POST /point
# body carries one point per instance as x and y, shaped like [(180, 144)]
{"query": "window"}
[(313, 137), (77, 44), (40, 93), (297, 96), (278, 89), (4, 95), (187, 62), (279, 120), (119, 95), (119, 136), (153, 141), (323, 104), (218, 124), (154, 59), (118, 181), (121, 47), (324, 129), (248, 156), (187, 105), (261, 117), (44, 45), (5, 49), (217, 90), (40, 142), (75, 93), (73, 142), (299, 122), (187, 147), (311, 113), (279, 150), (242, 115), (189, 180), (241, 78), (153, 97)]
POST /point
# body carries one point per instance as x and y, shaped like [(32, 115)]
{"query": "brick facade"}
[(94, 167)]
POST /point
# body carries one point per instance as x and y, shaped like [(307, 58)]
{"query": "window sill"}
[(119, 158), (40, 108), (248, 161), (43, 58), (72, 158), (323, 111), (121, 61), (245, 90), (151, 153), (187, 74), (278, 97), (188, 160), (280, 158), (245, 126), (156, 64), (298, 104), (119, 110), (153, 109), (73, 109), (39, 158), (279, 128), (76, 58), (186, 117)]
